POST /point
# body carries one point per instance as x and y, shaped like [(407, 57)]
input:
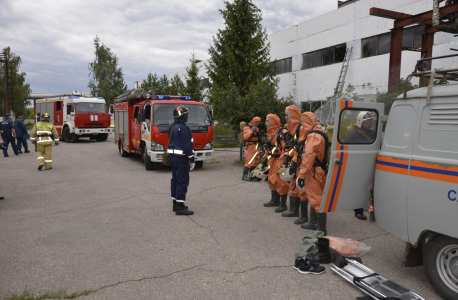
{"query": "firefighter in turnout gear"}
[(312, 176), (252, 149), (182, 159), (42, 136), (293, 156), (274, 158)]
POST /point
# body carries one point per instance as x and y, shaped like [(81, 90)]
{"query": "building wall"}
[(346, 25)]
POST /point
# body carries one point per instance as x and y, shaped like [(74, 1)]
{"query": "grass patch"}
[(29, 125), (60, 294)]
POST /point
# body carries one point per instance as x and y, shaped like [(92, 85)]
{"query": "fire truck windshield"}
[(84, 107), (197, 116)]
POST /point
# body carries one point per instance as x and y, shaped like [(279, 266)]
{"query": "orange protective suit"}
[(276, 155), (294, 121), (252, 148), (315, 178)]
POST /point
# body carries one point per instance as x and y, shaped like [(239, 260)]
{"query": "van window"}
[(136, 115), (148, 116), (58, 105), (358, 126), (399, 127)]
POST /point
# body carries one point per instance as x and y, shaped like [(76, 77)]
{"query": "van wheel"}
[(199, 164), (68, 136), (149, 165), (121, 150), (102, 137), (441, 265)]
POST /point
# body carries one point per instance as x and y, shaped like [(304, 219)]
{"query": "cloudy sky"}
[(55, 37)]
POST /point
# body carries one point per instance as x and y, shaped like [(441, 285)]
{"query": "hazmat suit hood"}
[(274, 125), (294, 118), (255, 121), (309, 121)]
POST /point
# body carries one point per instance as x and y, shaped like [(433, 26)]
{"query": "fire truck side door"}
[(354, 149)]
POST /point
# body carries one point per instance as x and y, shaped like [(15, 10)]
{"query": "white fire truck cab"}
[(77, 116), (413, 173)]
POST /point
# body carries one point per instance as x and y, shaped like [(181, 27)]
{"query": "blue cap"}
[(7, 115)]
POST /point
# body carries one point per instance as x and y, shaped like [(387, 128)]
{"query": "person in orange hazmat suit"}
[(311, 174), (274, 158), (252, 147), (293, 155)]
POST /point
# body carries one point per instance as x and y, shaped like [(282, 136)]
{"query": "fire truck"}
[(77, 116), (143, 119)]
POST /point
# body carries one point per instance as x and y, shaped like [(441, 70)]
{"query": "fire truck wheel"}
[(199, 164), (121, 150), (102, 137), (69, 137), (149, 165), (441, 265)]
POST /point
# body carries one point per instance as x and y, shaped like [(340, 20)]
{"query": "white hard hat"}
[(363, 116), (285, 176), (259, 172), (302, 189)]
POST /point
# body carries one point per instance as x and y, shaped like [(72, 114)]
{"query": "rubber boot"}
[(304, 213), (294, 203), (182, 211), (312, 223), (282, 207), (246, 175), (323, 256), (275, 201), (321, 221), (175, 205)]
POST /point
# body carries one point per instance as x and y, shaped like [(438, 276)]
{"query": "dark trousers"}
[(21, 141), (8, 138), (180, 178)]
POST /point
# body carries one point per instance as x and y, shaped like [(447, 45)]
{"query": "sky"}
[(55, 38)]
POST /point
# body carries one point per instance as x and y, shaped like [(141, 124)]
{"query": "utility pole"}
[(4, 59)]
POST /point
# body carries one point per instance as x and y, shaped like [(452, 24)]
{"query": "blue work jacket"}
[(181, 139), (20, 127), (7, 126)]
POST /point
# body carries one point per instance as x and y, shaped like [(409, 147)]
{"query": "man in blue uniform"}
[(182, 159), (21, 130), (8, 135)]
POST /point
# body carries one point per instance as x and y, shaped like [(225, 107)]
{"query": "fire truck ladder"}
[(343, 72)]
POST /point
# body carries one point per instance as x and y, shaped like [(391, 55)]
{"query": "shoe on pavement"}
[(298, 262), (361, 217), (19, 151), (26, 151), (308, 267), (40, 167), (1, 198)]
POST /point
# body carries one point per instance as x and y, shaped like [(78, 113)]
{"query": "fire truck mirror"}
[(111, 109)]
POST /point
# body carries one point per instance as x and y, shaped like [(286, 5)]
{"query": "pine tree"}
[(194, 87), (107, 78), (151, 81), (163, 87), (21, 90), (177, 86)]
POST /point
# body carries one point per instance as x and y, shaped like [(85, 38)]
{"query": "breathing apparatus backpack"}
[(242, 125), (324, 164)]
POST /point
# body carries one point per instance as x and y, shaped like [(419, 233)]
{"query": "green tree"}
[(239, 68), (194, 88), (163, 87), (20, 90), (177, 86), (106, 77), (388, 99), (151, 81)]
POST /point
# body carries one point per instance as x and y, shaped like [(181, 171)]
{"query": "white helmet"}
[(363, 116), (285, 176), (259, 172), (302, 189)]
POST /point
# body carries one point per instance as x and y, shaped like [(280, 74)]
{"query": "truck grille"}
[(93, 124)]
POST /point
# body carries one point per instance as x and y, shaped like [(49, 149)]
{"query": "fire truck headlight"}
[(208, 146), (156, 146)]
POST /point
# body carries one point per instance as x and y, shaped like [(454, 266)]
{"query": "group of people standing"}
[(12, 133)]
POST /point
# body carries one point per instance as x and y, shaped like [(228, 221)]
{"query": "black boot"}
[(175, 205), (181, 210), (323, 256), (304, 213), (312, 223), (282, 207), (275, 201), (40, 167), (321, 222), (294, 203), (246, 175)]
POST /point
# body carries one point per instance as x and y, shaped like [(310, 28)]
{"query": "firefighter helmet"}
[(180, 112), (45, 117), (302, 189), (285, 176), (363, 116)]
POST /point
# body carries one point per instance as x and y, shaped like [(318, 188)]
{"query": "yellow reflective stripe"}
[(257, 146), (291, 151), (48, 160), (253, 158), (44, 127), (40, 158)]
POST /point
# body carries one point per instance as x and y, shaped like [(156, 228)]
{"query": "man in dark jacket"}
[(8, 135), (182, 159), (21, 130)]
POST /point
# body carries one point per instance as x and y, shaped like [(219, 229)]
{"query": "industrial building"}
[(309, 56)]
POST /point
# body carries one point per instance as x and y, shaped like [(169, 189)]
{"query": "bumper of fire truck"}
[(92, 131), (156, 156)]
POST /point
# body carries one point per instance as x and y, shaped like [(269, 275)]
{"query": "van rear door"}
[(355, 144)]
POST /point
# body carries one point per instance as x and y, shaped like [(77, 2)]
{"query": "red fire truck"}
[(142, 122), (77, 116)]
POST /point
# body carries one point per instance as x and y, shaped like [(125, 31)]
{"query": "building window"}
[(282, 66), (324, 57), (376, 45), (411, 37)]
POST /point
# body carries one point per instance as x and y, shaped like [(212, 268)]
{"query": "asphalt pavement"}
[(98, 221)]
